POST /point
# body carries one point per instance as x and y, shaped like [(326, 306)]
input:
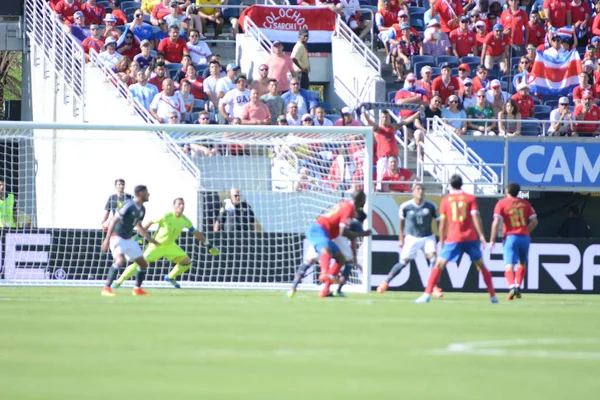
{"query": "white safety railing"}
[(370, 59), (250, 29), (136, 108), (441, 140), (63, 53), (358, 94)]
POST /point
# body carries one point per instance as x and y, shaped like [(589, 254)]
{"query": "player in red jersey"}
[(460, 214), (519, 220), (327, 227)]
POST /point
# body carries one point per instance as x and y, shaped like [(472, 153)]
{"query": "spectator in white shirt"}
[(143, 91), (210, 85), (109, 57), (199, 51), (292, 116), (561, 119), (232, 104), (166, 101), (227, 83), (320, 119)]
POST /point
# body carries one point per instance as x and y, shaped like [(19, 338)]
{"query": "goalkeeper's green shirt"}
[(170, 227)]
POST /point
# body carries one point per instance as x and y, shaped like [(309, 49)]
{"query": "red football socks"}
[(324, 262), (434, 278), (335, 269), (520, 275), (510, 277), (487, 278)]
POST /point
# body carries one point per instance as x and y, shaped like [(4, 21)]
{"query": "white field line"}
[(509, 348)]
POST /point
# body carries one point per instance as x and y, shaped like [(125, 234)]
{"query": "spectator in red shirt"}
[(463, 74), (580, 18), (463, 39), (558, 12), (515, 21), (94, 41), (445, 85), (115, 5), (159, 75), (583, 87), (196, 81), (426, 79), (480, 35), (587, 111), (535, 30), (160, 11), (448, 18), (129, 47), (395, 174), (94, 12), (66, 9), (174, 47), (481, 81), (495, 49), (524, 100), (110, 31), (596, 23)]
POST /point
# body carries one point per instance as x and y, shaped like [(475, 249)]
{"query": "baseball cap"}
[(276, 43), (307, 117), (110, 18), (467, 81), (433, 22), (496, 83), (240, 76), (531, 46), (480, 24), (232, 67), (522, 85), (481, 91), (411, 77), (445, 65), (346, 110), (404, 25), (281, 118), (144, 43), (595, 39), (303, 32), (173, 4), (464, 66), (426, 68), (588, 63), (563, 100), (78, 14), (498, 27), (587, 94), (464, 19), (402, 13), (481, 68)]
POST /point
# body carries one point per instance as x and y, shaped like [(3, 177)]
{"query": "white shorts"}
[(342, 242), (413, 244), (128, 247)]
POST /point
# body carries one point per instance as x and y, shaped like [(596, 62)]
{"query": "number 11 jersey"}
[(458, 209), (516, 214)]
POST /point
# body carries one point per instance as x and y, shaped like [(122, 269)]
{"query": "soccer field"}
[(66, 343)]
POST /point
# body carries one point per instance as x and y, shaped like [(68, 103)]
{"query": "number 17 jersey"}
[(458, 209), (516, 214)]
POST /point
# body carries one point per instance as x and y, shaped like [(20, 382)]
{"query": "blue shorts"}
[(319, 238), (452, 251), (516, 249)]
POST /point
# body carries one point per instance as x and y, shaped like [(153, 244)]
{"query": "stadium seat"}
[(198, 105), (120, 28), (106, 4), (194, 117), (541, 109), (514, 62), (174, 67), (543, 116), (418, 24), (417, 67), (333, 117), (452, 60), (473, 65), (435, 72), (130, 4), (470, 59), (454, 71), (418, 58), (391, 95), (529, 128), (553, 103), (414, 9)]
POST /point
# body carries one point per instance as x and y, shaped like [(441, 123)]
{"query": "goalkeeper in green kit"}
[(169, 229)]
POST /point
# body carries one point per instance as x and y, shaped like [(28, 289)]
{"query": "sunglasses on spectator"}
[(462, 69), (235, 195), (128, 37), (524, 62), (204, 119), (563, 104), (263, 69), (294, 83), (173, 117), (482, 72), (404, 16), (93, 29), (293, 107), (138, 15), (480, 95), (453, 101)]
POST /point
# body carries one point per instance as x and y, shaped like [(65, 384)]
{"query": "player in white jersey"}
[(416, 218), (347, 248)]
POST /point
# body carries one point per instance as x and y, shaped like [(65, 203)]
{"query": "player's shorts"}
[(171, 252), (452, 251), (319, 238), (516, 249), (413, 244), (128, 247), (342, 243)]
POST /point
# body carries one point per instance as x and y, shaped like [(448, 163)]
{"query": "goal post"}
[(61, 175)]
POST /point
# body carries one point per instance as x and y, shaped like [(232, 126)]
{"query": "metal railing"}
[(63, 53), (370, 59), (471, 162), (138, 109), (250, 29)]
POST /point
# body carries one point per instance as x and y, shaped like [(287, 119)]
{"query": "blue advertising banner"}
[(491, 150), (554, 164)]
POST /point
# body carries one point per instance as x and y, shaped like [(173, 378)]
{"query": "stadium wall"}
[(555, 266)]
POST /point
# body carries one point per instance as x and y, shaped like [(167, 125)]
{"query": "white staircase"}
[(445, 154)]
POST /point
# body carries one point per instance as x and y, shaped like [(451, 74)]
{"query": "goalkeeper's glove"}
[(139, 239), (212, 250)]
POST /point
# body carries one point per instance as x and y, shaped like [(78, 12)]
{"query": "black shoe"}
[(512, 293), (518, 292)]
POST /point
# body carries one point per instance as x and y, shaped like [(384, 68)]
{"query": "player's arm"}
[(106, 214), (478, 225), (533, 222), (109, 231), (205, 242), (442, 229), (401, 232), (144, 233), (495, 228)]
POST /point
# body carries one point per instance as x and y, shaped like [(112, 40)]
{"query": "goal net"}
[(58, 178)]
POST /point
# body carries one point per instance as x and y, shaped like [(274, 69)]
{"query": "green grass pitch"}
[(69, 343)]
